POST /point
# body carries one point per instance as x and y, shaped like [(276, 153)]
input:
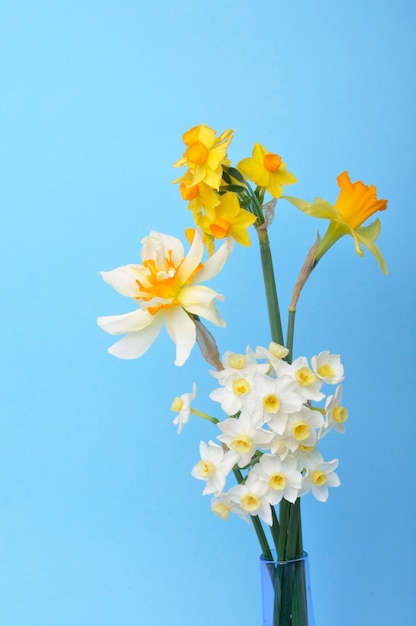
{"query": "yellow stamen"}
[(237, 361), (326, 371), (277, 350), (250, 502), (319, 478), (221, 510), (277, 482), (340, 414), (177, 405), (189, 193), (271, 403), (241, 386), (206, 468), (272, 162), (197, 153), (220, 228), (301, 431), (242, 444), (305, 376)]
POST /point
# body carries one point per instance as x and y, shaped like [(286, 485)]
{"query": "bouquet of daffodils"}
[(275, 410)]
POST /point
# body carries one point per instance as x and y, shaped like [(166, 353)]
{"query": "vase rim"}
[(274, 560)]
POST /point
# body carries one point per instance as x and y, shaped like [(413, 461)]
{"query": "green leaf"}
[(235, 188), (235, 173)]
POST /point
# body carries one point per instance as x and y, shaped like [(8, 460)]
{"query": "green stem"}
[(284, 511), (204, 416), (290, 335), (270, 287), (275, 529), (293, 532)]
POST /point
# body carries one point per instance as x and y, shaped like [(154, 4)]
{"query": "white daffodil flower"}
[(336, 414), (274, 354), (301, 428), (231, 397), (237, 366), (244, 435), (308, 385), (282, 477), (318, 478), (166, 289), (328, 367), (251, 498), (273, 399), (182, 405), (307, 457), (222, 505), (214, 466)]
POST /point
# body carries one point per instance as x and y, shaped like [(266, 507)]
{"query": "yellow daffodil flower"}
[(204, 155), (166, 289), (267, 170), (228, 220), (200, 197), (355, 204)]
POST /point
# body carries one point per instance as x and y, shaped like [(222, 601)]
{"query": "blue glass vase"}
[(286, 592)]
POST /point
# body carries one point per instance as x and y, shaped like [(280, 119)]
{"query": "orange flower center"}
[(163, 284), (272, 162), (220, 228), (189, 193), (197, 153), (357, 202)]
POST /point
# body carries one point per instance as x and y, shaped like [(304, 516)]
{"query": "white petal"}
[(215, 263), (181, 330), (123, 279), (192, 260), (199, 300), (154, 247), (127, 323), (135, 344)]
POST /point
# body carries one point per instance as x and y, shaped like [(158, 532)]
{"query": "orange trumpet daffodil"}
[(355, 204)]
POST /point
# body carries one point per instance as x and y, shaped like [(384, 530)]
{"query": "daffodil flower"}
[(282, 477), (201, 197), (204, 155), (166, 289), (355, 204), (250, 496), (214, 466), (267, 170), (227, 219), (328, 367), (318, 478), (182, 406)]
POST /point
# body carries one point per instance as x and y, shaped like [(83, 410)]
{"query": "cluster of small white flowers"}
[(272, 430)]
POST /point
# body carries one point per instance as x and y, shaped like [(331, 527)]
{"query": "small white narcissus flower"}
[(237, 365), (282, 477), (214, 466), (308, 385), (251, 498), (244, 435), (165, 288), (301, 428), (182, 405), (222, 505), (328, 367), (273, 399), (336, 414), (274, 354), (318, 478)]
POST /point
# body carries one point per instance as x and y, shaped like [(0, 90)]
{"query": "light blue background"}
[(100, 521)]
